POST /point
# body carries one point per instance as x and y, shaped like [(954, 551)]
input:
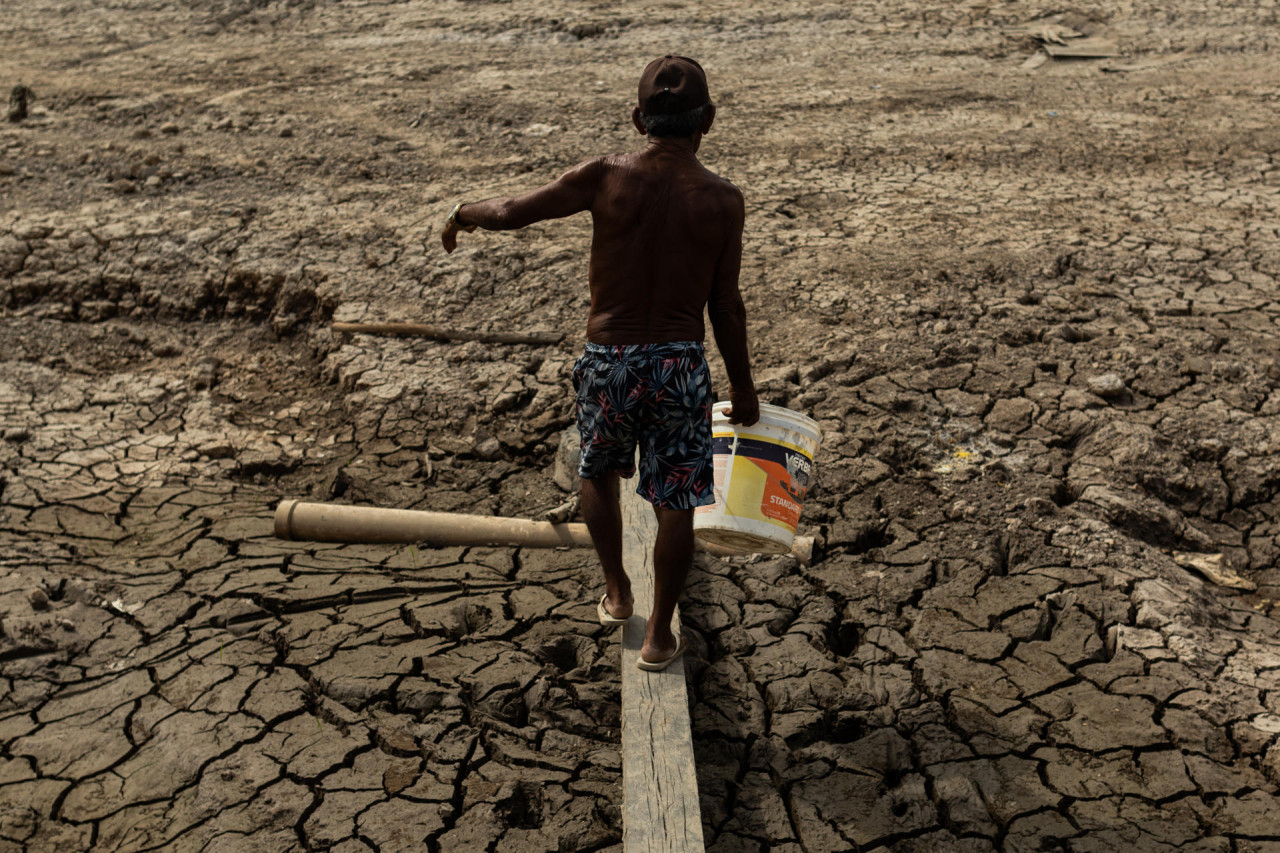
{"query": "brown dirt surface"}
[(1034, 309)]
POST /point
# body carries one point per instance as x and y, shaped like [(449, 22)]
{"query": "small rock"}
[(455, 444), (1107, 385), (94, 310), (1066, 332), (165, 349), (489, 449), (779, 375), (206, 374), (169, 128), (153, 181), (286, 132), (284, 323), (39, 599), (504, 402), (217, 448), (1074, 398), (16, 435), (19, 95), (1196, 365), (124, 186), (822, 369), (1040, 506), (1011, 415), (31, 231), (735, 640)]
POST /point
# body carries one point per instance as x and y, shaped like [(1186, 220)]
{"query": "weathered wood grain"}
[(660, 782)]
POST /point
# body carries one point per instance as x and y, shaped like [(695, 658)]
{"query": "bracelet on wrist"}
[(458, 223)]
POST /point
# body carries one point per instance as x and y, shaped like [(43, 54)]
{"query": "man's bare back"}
[(666, 242)]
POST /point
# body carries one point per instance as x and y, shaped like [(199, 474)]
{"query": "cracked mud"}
[(1035, 312)]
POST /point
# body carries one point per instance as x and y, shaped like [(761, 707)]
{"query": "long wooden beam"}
[(442, 333), (659, 781)]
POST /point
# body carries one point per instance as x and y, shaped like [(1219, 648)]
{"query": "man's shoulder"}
[(726, 192), (730, 189), (720, 183)]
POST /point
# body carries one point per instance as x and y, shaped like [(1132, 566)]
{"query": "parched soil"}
[(1034, 309)]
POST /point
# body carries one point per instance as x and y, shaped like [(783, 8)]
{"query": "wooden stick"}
[(440, 333)]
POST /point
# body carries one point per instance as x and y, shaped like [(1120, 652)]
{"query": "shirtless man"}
[(666, 243)]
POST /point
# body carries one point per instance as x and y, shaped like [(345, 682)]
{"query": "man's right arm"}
[(728, 317), (572, 192)]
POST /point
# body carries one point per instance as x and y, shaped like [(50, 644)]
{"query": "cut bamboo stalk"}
[(317, 522), (442, 333)]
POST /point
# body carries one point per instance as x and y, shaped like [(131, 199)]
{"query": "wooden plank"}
[(659, 780)]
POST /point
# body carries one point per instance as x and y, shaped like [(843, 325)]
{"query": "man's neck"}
[(673, 145)]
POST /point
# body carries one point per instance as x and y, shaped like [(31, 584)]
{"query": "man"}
[(666, 243)]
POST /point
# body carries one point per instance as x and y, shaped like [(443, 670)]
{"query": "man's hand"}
[(744, 407), (449, 236)]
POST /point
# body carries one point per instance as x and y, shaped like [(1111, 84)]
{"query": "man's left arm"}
[(572, 192)]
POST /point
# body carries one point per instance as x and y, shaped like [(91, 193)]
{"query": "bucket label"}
[(768, 480)]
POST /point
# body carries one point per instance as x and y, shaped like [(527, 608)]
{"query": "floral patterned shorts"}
[(657, 396)]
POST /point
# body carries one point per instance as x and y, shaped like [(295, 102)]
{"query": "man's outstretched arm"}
[(729, 324), (572, 192)]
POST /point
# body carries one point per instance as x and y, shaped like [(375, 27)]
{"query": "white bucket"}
[(762, 474)]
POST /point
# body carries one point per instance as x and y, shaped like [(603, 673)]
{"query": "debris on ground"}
[(1213, 568), (1059, 41), (19, 96)]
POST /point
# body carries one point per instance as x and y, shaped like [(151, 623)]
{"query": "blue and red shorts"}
[(657, 397)]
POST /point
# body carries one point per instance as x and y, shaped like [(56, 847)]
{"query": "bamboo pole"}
[(318, 522), (341, 523)]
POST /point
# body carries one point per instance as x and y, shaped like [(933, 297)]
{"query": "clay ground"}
[(1035, 312)]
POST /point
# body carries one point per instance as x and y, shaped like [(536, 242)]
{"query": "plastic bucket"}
[(762, 473)]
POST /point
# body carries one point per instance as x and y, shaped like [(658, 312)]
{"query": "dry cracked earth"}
[(1034, 309)]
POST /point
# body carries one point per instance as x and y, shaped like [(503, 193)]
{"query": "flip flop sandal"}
[(659, 665), (607, 618)]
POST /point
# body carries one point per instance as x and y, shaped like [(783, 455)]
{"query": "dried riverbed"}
[(1035, 312)]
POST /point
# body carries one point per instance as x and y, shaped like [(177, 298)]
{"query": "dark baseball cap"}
[(672, 84)]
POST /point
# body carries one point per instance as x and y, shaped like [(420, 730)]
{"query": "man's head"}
[(673, 98)]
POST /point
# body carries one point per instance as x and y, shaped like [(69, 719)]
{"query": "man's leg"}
[(603, 515), (672, 557)]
